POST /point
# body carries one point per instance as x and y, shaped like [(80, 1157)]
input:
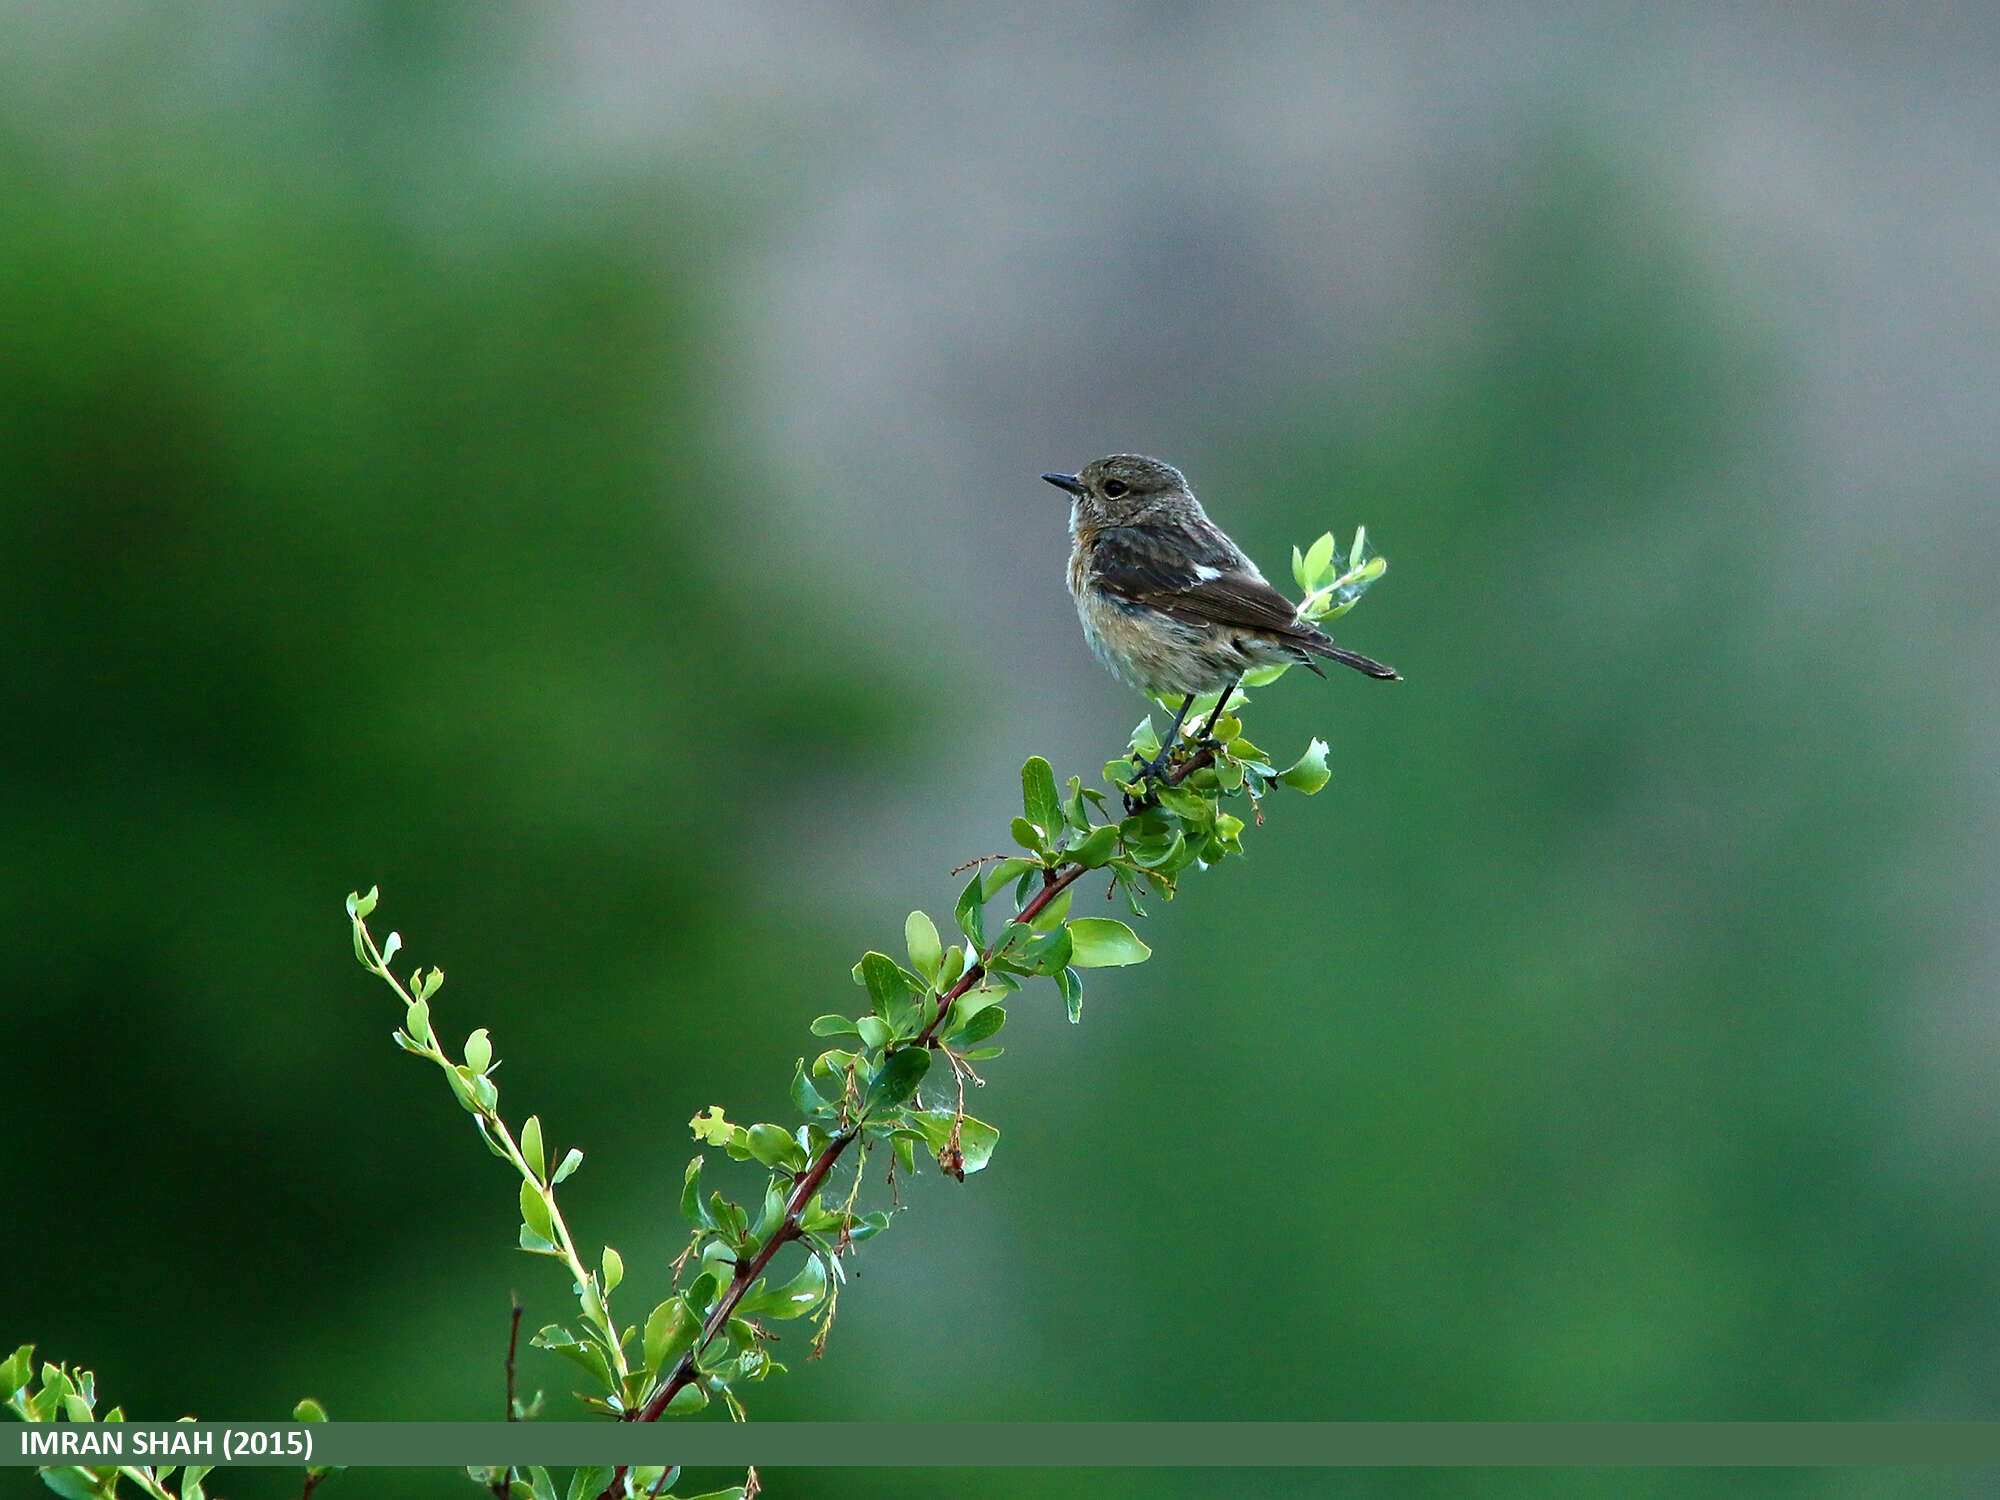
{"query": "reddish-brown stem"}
[(505, 1483), (513, 1342), (1057, 879), (747, 1272)]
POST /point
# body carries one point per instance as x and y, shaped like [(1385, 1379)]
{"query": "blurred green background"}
[(577, 470)]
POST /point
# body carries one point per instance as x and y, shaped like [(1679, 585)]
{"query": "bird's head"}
[(1123, 488)]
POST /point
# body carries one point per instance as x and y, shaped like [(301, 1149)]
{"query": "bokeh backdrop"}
[(577, 467)]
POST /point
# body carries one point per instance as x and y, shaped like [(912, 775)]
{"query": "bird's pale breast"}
[(1155, 652)]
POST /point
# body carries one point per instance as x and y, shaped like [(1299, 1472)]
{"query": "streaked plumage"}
[(1167, 600)]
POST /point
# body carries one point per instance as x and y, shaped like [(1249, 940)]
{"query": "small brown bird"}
[(1168, 601)]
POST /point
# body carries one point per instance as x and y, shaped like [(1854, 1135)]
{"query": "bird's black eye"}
[(1113, 488)]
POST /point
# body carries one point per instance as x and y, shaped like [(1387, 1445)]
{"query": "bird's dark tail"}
[(1354, 659)]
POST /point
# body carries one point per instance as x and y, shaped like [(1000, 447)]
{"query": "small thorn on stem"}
[(973, 863)]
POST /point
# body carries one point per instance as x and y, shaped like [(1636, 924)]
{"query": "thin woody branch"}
[(708, 1341), (1064, 874)]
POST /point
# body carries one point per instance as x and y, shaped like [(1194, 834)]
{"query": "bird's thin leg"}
[(1158, 764), (1220, 704)]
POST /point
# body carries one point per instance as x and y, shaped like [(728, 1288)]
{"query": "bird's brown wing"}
[(1192, 573)]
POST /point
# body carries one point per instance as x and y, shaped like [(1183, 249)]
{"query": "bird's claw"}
[(1150, 771)]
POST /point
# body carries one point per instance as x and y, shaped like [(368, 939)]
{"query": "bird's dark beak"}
[(1065, 482)]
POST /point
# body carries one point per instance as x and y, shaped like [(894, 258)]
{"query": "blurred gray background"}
[(576, 466)]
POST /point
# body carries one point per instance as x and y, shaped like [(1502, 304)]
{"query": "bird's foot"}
[(1152, 776)]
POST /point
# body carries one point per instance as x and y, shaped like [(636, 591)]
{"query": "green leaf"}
[(1038, 796), (74, 1484), (875, 1032), (587, 1484), (1046, 953), (1027, 835), (970, 1004), (1319, 559), (1299, 569), (1070, 983), (833, 1062), (1005, 873), (868, 1225), (776, 1194), (531, 1146), (485, 1095), (711, 1129), (832, 1026), (1104, 942), (1095, 850), (702, 1292), (796, 1297), (879, 975), (884, 979), (975, 1137), (479, 1051), (1050, 917), (986, 1022), (719, 1260), (1075, 813), (614, 1270), (586, 1356), (534, 1244), (1359, 549), (572, 1159), (1023, 886), (670, 1329), (926, 951), (805, 1098), (16, 1370), (1145, 738), (1012, 935), (535, 1212), (492, 1141), (953, 966), (1241, 749), (774, 1147), (1190, 807), (363, 906), (309, 1410), (971, 912), (689, 1398), (1309, 772), (897, 1078)]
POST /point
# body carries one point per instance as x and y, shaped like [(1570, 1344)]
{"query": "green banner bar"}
[(1123, 1445)]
